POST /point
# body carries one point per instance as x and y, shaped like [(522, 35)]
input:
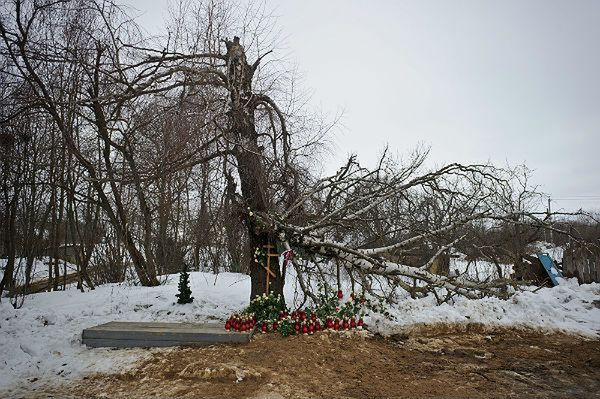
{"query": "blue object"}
[(550, 267)]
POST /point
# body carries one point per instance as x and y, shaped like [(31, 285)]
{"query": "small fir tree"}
[(185, 293)]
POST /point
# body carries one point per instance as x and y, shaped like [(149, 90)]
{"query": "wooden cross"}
[(270, 273)]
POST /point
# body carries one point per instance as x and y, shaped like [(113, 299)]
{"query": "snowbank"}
[(42, 340), (569, 307)]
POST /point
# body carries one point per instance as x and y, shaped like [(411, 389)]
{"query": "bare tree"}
[(193, 148)]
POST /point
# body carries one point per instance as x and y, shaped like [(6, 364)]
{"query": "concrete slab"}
[(119, 334)]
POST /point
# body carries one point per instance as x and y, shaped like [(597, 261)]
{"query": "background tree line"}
[(125, 153)]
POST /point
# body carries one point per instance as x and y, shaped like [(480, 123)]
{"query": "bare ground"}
[(432, 362)]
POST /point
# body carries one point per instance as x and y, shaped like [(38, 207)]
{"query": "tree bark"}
[(7, 281), (251, 170)]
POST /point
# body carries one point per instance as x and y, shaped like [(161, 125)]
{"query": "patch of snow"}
[(568, 307), (39, 268), (480, 270), (555, 252)]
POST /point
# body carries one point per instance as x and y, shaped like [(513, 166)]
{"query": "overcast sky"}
[(503, 81)]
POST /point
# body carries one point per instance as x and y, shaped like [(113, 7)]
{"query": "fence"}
[(582, 263)]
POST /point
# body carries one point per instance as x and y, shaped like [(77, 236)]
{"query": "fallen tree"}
[(368, 221)]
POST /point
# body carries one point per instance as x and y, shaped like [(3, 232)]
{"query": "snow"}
[(568, 307), (39, 268), (478, 269), (42, 340), (555, 251)]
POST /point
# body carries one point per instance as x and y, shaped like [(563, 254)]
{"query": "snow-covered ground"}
[(479, 270), (39, 268), (42, 340), (569, 307)]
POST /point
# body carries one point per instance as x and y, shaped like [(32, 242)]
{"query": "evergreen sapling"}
[(185, 293)]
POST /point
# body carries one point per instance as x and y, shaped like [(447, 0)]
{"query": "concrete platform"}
[(118, 334)]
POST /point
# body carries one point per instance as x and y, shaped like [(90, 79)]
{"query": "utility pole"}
[(550, 220)]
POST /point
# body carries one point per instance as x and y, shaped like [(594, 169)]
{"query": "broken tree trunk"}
[(248, 155)]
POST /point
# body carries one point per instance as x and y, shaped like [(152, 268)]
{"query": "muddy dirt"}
[(432, 362)]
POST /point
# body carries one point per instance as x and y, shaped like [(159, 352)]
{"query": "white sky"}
[(506, 81)]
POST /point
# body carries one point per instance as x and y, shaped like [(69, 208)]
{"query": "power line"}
[(576, 199), (575, 196)]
